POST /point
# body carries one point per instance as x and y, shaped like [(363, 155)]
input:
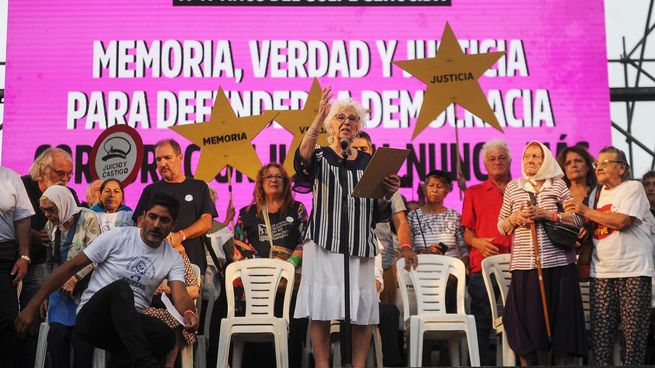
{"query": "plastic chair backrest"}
[(497, 267), (260, 278), (429, 280)]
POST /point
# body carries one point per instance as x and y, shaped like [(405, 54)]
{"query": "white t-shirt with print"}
[(629, 252), (121, 254)]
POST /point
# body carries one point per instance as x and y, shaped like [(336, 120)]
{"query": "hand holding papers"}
[(386, 161)]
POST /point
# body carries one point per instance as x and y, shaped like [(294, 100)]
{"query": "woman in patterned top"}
[(287, 219), (340, 223), (110, 209), (435, 228), (523, 316), (158, 309), (273, 211)]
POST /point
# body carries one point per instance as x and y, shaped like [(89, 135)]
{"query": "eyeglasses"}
[(61, 174), (273, 177), (602, 164), (351, 118)]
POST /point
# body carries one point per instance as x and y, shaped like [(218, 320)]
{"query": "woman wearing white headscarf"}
[(71, 230), (523, 316)]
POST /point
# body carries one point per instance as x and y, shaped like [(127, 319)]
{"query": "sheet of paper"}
[(386, 161), (171, 309)]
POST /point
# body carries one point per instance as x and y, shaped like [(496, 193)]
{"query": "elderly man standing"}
[(196, 206), (15, 213), (482, 203), (53, 166)]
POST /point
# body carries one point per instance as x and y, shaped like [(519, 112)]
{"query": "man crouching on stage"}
[(131, 263)]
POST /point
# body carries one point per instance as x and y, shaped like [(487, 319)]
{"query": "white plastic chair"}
[(186, 353), (429, 280), (498, 267), (202, 340), (99, 355), (260, 278)]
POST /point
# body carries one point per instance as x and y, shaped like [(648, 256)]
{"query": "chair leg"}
[(472, 341), (237, 354), (223, 345), (377, 347), (186, 356), (336, 353), (415, 345), (201, 352), (509, 357), (453, 350), (42, 345), (281, 346), (99, 358)]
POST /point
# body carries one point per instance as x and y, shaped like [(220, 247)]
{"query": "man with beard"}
[(131, 263), (196, 206)]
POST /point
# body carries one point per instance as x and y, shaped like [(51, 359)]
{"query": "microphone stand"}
[(346, 346)]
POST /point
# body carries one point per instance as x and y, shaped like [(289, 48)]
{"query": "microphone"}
[(345, 152)]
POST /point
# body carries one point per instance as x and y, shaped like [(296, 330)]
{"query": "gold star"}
[(298, 121), (225, 140), (452, 77)]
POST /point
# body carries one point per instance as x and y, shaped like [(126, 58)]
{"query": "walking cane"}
[(542, 287)]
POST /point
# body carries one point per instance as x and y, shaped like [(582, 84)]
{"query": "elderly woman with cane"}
[(339, 224), (543, 312)]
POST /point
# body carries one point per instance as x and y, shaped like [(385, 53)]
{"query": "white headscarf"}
[(63, 199), (549, 167)]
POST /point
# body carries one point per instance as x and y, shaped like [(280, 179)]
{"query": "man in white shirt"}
[(15, 213), (131, 263)]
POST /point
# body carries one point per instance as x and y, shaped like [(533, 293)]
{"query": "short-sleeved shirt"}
[(121, 254), (193, 196), (288, 229), (14, 206), (435, 228), (552, 195), (480, 211), (389, 240), (627, 252), (37, 250)]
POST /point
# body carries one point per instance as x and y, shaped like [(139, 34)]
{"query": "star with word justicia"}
[(226, 140), (452, 77), (298, 121)]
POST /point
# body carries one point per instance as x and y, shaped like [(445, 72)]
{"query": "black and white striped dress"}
[(321, 294), (325, 222)]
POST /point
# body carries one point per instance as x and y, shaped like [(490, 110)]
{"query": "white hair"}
[(496, 144), (340, 105)]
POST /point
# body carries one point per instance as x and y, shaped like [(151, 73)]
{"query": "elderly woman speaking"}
[(622, 259), (529, 201), (338, 221)]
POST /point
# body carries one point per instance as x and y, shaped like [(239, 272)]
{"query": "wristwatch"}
[(27, 258)]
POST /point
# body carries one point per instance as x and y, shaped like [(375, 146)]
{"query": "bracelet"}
[(27, 258), (406, 245), (509, 218), (556, 216), (314, 134), (183, 235), (189, 311), (559, 217)]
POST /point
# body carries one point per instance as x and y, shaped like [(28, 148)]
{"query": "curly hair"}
[(44, 159), (258, 195), (590, 178)]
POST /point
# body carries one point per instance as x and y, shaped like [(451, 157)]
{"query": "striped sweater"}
[(553, 192)]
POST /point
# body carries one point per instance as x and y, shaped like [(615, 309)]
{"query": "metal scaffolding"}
[(632, 91)]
